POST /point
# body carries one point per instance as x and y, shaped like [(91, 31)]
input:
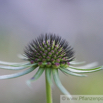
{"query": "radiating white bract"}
[(73, 69)]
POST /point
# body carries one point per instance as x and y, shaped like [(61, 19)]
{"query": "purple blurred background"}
[(80, 22)]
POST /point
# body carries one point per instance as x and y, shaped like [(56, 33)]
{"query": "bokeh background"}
[(80, 22)]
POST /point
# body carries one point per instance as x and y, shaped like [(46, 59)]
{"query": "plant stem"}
[(48, 91)]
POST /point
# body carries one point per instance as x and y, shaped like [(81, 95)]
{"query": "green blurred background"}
[(80, 22)]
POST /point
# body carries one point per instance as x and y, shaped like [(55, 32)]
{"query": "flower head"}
[(49, 53)]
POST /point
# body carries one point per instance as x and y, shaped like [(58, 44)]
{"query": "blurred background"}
[(80, 22)]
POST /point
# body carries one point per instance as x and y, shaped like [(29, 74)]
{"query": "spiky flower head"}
[(49, 51)]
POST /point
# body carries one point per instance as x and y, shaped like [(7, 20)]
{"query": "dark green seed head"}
[(49, 51)]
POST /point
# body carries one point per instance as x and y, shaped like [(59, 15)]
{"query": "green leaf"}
[(16, 68), (77, 70), (76, 63), (22, 56), (71, 73), (48, 75), (58, 83), (37, 75), (87, 66), (10, 63), (17, 74)]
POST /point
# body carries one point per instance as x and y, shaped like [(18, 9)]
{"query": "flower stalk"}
[(48, 90)]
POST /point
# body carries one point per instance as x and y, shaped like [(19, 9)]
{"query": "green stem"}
[(48, 91)]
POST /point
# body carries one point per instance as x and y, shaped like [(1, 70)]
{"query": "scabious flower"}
[(49, 53)]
